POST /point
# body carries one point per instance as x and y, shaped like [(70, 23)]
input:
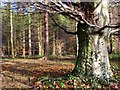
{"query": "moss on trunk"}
[(92, 57), (83, 51)]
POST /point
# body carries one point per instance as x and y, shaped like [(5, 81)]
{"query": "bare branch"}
[(116, 34), (110, 26), (107, 26), (72, 12), (66, 10), (68, 32), (116, 30)]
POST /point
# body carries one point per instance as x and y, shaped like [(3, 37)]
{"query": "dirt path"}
[(19, 73)]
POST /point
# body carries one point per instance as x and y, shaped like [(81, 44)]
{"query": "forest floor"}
[(23, 73)]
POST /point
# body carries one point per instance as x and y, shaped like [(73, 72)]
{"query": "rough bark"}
[(93, 54), (83, 47)]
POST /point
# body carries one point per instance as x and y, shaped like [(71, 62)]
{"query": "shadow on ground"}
[(25, 71)]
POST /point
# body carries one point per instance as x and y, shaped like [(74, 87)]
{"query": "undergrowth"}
[(77, 82), (83, 82), (115, 57)]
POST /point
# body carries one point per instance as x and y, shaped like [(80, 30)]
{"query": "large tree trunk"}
[(93, 54)]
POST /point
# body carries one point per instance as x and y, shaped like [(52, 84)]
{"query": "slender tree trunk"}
[(8, 45), (77, 45), (29, 31), (22, 27), (54, 46), (15, 44), (39, 28), (59, 50), (23, 41), (46, 34), (39, 43), (11, 31)]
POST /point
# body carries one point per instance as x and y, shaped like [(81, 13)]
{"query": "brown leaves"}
[(26, 72)]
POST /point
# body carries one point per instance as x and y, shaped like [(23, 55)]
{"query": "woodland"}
[(58, 44)]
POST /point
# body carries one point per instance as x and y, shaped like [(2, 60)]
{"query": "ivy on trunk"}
[(92, 54)]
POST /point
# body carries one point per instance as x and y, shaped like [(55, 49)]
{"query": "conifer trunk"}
[(46, 33), (54, 46), (23, 43), (11, 31), (23, 34), (8, 45), (39, 28), (29, 31)]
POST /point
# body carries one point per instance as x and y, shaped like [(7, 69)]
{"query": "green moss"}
[(115, 57)]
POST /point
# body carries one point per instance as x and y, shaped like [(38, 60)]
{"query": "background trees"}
[(114, 38), (26, 21), (57, 34)]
